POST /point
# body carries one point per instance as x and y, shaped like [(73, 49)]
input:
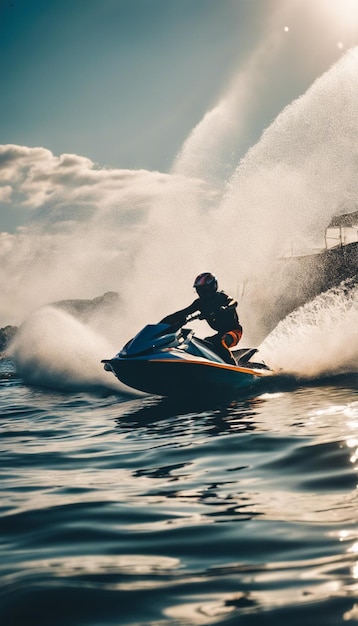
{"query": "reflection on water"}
[(217, 417)]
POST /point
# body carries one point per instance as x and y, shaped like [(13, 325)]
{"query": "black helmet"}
[(205, 284)]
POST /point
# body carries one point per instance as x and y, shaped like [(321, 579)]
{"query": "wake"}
[(54, 350), (320, 338)]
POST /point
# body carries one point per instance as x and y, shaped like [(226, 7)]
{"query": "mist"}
[(53, 349), (147, 234)]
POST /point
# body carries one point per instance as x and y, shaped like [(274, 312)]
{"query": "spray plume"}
[(318, 339), (146, 234)]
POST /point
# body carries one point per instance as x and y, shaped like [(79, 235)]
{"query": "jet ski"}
[(171, 361)]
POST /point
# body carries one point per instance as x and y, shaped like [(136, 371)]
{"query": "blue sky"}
[(123, 82)]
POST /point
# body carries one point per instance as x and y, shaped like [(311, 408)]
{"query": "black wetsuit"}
[(219, 310)]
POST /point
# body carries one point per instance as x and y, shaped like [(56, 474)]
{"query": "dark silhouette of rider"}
[(219, 310)]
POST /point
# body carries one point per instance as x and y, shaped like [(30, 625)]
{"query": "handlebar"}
[(190, 318), (178, 322)]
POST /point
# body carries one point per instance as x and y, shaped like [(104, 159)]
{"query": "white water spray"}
[(213, 148), (53, 349), (318, 339), (147, 235)]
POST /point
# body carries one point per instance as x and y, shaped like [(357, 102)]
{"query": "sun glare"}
[(339, 19), (343, 13)]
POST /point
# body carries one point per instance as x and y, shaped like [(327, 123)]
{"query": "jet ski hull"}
[(168, 377)]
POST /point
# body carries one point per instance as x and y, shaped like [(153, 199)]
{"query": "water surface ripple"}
[(118, 511)]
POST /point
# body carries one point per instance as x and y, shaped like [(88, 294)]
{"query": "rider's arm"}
[(180, 316)]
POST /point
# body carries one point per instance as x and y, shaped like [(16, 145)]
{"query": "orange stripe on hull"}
[(226, 366)]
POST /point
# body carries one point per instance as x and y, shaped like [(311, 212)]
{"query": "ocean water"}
[(119, 510)]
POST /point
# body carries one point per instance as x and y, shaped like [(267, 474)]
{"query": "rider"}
[(219, 310)]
